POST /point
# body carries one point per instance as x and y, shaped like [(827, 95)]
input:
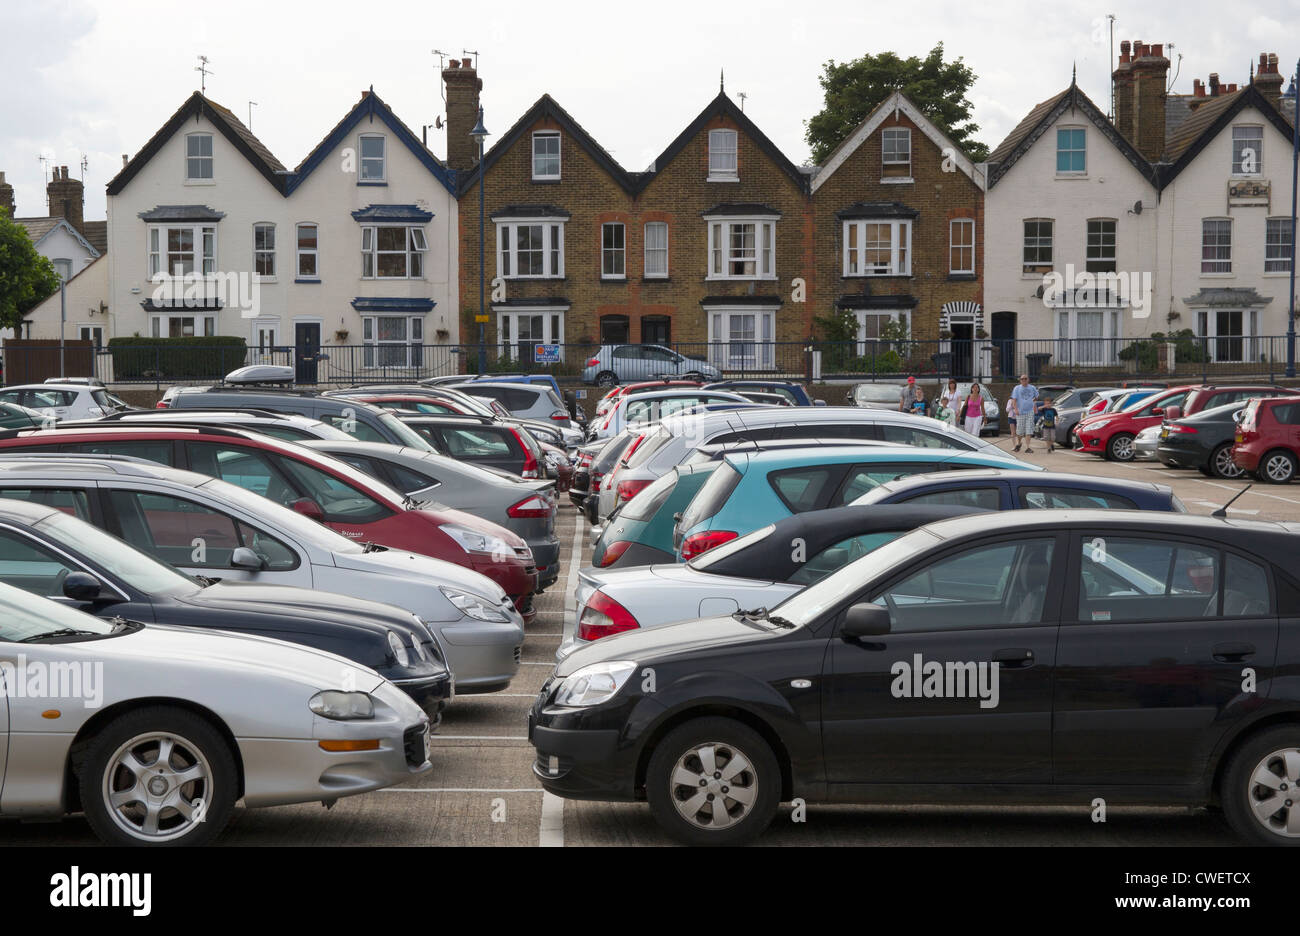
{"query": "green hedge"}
[(202, 357)]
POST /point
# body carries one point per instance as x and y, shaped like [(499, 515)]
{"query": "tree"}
[(853, 89), (26, 277)]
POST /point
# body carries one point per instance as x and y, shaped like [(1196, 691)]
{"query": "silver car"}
[(156, 731), (192, 521), (288, 427), (629, 363)]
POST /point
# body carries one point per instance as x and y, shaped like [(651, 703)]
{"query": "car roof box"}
[(260, 374)]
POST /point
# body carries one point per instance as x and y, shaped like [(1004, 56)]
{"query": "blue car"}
[(998, 489), (795, 393), (752, 489)]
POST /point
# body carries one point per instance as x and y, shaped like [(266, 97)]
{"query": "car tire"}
[(688, 750), (606, 379), (1246, 785), (196, 750), (1221, 464), (1276, 467), (1120, 447)]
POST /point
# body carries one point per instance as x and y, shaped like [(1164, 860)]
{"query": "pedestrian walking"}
[(1021, 410), (949, 403), (974, 410), (920, 405), (906, 394), (1047, 422)]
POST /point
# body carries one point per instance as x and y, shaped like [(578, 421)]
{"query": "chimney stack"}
[(1122, 86), (1214, 84), (463, 87), (1139, 84), (7, 197), (66, 197), (1267, 78)]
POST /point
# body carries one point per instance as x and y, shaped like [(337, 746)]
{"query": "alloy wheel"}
[(1279, 467), (1121, 448), (1273, 792), (156, 786), (714, 785), (1224, 466)]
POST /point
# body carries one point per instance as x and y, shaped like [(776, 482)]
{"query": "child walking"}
[(1047, 422)]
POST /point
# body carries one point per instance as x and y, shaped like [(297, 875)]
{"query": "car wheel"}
[(1260, 790), (1120, 447), (606, 379), (1277, 467), (713, 781), (1221, 463), (157, 776)]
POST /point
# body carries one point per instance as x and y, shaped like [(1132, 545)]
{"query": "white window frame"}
[(209, 159), (92, 328), (508, 339), (552, 247), (724, 156), (300, 252), (727, 352), (613, 260), (363, 159), (417, 245), (1283, 262), (1088, 246), (203, 240), (1207, 326), (548, 135), (1218, 259), (1072, 173), (160, 324), (1089, 350), (889, 315), (1257, 137), (259, 353), (854, 254), (264, 252), (653, 254), (722, 254), (886, 159), (955, 225), (411, 342), (1035, 270)]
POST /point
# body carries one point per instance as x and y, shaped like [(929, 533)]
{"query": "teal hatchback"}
[(641, 532), (751, 490)]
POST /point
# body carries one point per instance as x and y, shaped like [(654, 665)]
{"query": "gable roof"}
[(97, 233), (40, 228), (893, 104), (547, 107), (1208, 121), (1041, 117), (724, 106), (370, 106), (230, 126)]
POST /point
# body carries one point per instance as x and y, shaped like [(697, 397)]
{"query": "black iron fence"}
[(1067, 360)]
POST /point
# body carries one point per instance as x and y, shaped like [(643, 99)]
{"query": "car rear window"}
[(1066, 498), (710, 498), (803, 489), (1288, 414), (647, 503), (984, 498), (479, 442)]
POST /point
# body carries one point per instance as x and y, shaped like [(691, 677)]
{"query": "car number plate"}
[(1164, 433), (428, 742), (1237, 438)]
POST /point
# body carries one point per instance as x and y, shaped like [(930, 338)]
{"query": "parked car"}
[(666, 383), (1203, 441), (640, 408), (751, 490), (795, 393), (525, 507), (604, 462), (999, 489), (882, 396), (48, 549), (1071, 406), (1120, 672), (287, 427), (524, 400), (161, 510), (319, 487), (641, 531), (61, 400), (13, 416), (1146, 442), (205, 717), (758, 570), (504, 446), (625, 363), (1267, 441)]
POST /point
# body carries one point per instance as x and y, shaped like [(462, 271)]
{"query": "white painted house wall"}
[(85, 296), (62, 244)]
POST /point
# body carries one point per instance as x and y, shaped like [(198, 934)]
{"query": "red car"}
[(318, 486), (1267, 441)]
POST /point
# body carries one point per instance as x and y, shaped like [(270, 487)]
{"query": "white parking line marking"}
[(1231, 510), (1251, 493), (552, 831), (459, 790), (533, 663)]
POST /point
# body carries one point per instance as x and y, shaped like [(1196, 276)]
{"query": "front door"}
[(656, 329), (306, 340), (266, 335), (963, 340), (1004, 340)]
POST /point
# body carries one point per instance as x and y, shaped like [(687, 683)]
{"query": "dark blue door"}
[(306, 340)]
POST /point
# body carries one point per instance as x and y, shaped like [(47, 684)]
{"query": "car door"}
[(1158, 641), (629, 363), (960, 690)]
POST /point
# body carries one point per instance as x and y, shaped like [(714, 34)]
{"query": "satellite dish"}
[(1137, 206), (437, 122)]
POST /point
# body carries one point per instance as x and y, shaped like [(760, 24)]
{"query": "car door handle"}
[(1014, 657), (1233, 652)]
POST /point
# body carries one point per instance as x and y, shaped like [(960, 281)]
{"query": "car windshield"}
[(120, 560), (807, 606), (280, 519), (405, 434), (24, 616)]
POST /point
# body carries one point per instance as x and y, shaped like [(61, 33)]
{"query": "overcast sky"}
[(96, 79)]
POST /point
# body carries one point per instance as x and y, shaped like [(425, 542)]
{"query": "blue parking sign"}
[(546, 354)]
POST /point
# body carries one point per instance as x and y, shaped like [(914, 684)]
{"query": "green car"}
[(641, 533)]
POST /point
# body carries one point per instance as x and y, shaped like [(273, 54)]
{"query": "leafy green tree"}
[(25, 276), (853, 89)]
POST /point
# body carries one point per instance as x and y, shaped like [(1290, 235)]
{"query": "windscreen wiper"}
[(61, 632), (761, 614)]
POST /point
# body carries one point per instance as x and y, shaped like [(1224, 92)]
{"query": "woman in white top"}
[(951, 401)]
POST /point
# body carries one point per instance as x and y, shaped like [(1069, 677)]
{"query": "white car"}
[(640, 408), (62, 400), (155, 732)]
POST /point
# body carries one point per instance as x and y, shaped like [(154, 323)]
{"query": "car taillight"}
[(702, 542), (604, 616), (559, 414), (1183, 430), (531, 469), (629, 489), (530, 508), (614, 552), (594, 483), (1098, 406), (584, 460), (162, 404), (593, 362)]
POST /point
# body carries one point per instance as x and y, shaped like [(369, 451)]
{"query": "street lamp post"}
[(480, 133), (1295, 168)]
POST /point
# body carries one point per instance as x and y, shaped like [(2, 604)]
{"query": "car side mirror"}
[(82, 586), (1158, 411), (1173, 412), (865, 619), (309, 508), (245, 558)]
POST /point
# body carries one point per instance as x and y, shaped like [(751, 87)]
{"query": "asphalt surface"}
[(481, 790)]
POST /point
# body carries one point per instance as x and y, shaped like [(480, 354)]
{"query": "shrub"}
[(204, 357)]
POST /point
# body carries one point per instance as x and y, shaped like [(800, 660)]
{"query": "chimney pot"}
[(466, 63), (124, 160), (1158, 50)]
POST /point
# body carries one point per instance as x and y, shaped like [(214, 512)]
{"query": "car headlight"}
[(475, 542), (1099, 424), (594, 684), (399, 650), (474, 606), (342, 706)]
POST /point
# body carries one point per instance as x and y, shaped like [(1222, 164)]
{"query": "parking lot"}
[(482, 791)]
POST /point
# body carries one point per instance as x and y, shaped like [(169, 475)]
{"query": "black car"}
[(1202, 441), (1008, 489), (47, 550), (1018, 657)]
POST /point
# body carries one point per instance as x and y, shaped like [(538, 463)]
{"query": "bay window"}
[(878, 248), (392, 340), (741, 338), (392, 252), (182, 326), (519, 332), (176, 250), (742, 248), (1088, 337), (530, 250), (1231, 333)]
